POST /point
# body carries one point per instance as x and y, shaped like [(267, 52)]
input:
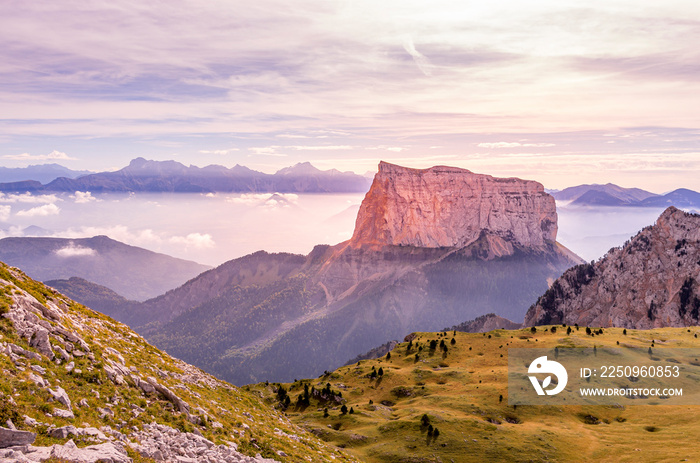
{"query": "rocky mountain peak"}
[(452, 207), (652, 281)]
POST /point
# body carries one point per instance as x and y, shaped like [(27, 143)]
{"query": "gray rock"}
[(61, 396), (38, 380), (108, 452), (182, 406), (63, 432), (63, 413), (62, 352), (38, 369), (40, 341), (12, 438), (21, 351)]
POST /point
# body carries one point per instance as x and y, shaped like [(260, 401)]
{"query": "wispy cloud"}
[(196, 240), (421, 61), (502, 144), (349, 73), (28, 198), (221, 152), (52, 156)]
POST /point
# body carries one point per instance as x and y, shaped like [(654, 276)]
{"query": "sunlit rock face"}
[(451, 207)]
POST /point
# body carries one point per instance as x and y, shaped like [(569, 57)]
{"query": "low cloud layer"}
[(75, 251), (83, 197), (40, 211)]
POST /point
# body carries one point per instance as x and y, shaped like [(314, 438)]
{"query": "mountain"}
[(134, 273), (602, 195), (42, 173), (97, 297), (79, 387), (613, 195), (484, 323), (681, 198), (652, 281), (171, 176), (452, 404), (431, 248)]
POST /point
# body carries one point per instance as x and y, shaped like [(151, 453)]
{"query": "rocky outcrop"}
[(66, 365), (451, 207), (13, 437), (484, 323), (652, 281)]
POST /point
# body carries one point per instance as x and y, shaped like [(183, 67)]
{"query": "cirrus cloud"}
[(503, 144), (52, 156)]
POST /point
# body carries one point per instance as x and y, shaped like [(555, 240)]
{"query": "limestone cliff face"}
[(652, 281), (451, 207)]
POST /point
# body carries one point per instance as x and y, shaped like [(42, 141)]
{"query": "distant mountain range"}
[(132, 272), (613, 195), (142, 175), (42, 173)]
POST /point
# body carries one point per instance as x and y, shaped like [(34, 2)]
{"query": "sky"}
[(563, 92)]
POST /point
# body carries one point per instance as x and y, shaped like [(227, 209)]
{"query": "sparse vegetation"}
[(468, 397)]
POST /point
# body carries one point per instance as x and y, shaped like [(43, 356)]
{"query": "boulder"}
[(40, 341), (108, 452), (13, 437), (61, 396)]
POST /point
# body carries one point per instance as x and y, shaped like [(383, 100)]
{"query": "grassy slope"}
[(243, 417), (460, 394)]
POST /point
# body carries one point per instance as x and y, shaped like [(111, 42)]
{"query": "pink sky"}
[(563, 92)]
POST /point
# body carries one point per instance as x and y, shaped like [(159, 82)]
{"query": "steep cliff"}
[(432, 248), (451, 207), (652, 281)]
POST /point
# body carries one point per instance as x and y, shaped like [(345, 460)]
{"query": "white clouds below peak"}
[(40, 211)]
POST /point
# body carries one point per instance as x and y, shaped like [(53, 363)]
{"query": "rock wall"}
[(652, 281), (451, 207)]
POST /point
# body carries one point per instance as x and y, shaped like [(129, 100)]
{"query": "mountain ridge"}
[(171, 176), (611, 195), (132, 272), (651, 281)]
